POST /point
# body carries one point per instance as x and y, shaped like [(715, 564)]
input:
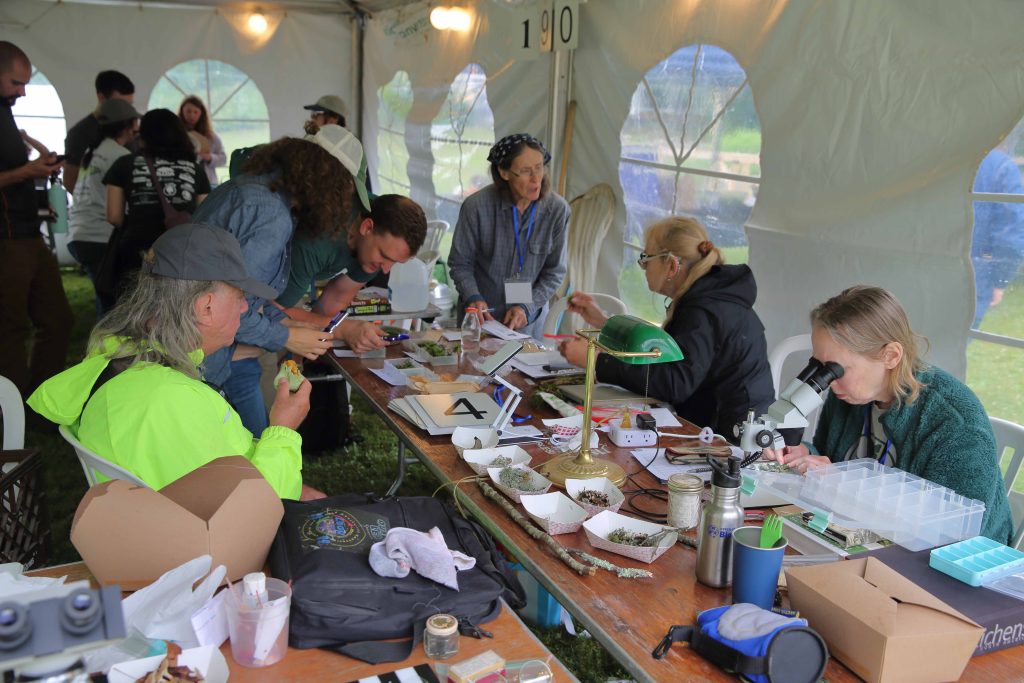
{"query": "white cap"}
[(442, 625), (341, 144), (347, 149), (254, 583)]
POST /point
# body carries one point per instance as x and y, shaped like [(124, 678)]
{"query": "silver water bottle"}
[(722, 516)]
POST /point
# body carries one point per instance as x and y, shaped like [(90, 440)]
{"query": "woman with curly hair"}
[(291, 187), (209, 148)]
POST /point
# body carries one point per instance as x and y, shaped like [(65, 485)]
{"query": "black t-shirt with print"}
[(182, 182)]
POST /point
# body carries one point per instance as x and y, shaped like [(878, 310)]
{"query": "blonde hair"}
[(686, 239), (864, 320)]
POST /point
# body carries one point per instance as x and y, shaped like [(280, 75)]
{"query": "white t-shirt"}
[(87, 218)]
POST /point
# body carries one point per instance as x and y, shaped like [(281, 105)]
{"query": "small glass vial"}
[(684, 491), (441, 639)]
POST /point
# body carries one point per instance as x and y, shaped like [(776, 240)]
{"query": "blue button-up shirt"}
[(262, 222)]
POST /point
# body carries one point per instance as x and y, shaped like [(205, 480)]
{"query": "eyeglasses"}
[(535, 172), (645, 258)]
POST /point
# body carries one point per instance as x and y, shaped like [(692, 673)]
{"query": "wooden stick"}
[(534, 532)]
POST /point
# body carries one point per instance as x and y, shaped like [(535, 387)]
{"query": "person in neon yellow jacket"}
[(151, 413)]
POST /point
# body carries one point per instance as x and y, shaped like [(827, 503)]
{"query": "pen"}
[(560, 368), (559, 336), (335, 321)]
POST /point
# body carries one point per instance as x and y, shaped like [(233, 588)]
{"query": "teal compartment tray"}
[(977, 560)]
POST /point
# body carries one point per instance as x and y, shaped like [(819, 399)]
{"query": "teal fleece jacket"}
[(944, 437)]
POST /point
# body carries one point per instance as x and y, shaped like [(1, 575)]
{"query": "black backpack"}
[(339, 603)]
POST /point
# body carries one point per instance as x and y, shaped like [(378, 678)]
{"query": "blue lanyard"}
[(871, 440), (529, 231)]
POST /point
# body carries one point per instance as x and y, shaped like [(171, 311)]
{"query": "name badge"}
[(518, 292)]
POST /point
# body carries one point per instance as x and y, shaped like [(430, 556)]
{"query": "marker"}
[(335, 321), (560, 368), (559, 336)]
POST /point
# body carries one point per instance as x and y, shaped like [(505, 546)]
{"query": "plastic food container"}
[(911, 511), (977, 561)]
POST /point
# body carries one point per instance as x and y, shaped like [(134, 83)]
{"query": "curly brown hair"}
[(319, 187)]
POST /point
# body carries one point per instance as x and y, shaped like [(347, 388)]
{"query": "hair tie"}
[(705, 247)]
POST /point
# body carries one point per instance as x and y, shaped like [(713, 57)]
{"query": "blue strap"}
[(529, 231)]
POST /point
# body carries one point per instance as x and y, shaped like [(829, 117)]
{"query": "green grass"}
[(368, 466)]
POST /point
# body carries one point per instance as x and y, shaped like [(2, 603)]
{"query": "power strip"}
[(632, 438)]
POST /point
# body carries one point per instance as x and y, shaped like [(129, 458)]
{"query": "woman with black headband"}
[(508, 251)]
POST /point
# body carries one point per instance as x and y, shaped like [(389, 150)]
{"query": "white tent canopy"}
[(873, 116)]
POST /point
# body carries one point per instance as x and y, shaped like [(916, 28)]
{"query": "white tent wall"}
[(518, 91), (874, 117), (308, 55)]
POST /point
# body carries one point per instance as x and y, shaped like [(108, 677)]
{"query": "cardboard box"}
[(880, 624), (131, 535), (1000, 615)]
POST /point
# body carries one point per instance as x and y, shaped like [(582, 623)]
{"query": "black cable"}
[(644, 492)]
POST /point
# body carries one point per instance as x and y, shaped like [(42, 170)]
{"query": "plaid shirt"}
[(483, 255)]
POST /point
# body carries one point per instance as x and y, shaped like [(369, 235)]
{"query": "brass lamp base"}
[(572, 466)]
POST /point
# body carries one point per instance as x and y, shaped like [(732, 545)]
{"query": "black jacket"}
[(725, 370)]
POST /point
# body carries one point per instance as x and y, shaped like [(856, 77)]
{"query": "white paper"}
[(664, 417), (210, 622), (658, 465), (390, 375), (273, 617), (496, 329)]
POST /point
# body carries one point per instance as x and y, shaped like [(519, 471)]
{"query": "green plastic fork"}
[(771, 530)]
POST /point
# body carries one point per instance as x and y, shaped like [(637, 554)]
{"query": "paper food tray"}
[(615, 496), (466, 438), (480, 459), (540, 483), (599, 526), (555, 512), (208, 660)]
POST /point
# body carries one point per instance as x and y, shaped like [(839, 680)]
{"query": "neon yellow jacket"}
[(161, 424)]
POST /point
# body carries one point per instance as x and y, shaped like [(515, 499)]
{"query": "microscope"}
[(784, 423)]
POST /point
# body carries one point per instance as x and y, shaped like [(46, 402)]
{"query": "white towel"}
[(424, 553)]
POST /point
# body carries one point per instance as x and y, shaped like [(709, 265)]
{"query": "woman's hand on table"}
[(574, 351), (798, 458), (584, 305), (289, 409), (307, 342), (515, 318), (361, 335)]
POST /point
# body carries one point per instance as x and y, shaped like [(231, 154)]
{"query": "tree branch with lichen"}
[(534, 532)]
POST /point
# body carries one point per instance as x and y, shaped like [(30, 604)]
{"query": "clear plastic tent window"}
[(691, 145)]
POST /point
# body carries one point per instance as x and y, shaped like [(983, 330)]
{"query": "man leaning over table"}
[(383, 230), (138, 399)]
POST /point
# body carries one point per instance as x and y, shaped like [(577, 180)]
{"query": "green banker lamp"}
[(633, 341)]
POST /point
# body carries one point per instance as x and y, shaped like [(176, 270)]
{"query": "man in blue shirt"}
[(998, 246)]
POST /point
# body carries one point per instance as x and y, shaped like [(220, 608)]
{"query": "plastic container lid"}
[(442, 625), (685, 483), (864, 494)]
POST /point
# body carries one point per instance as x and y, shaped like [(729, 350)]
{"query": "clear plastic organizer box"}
[(911, 511)]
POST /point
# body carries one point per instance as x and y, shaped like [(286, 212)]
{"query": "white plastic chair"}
[(14, 415), (556, 311), (783, 350), (1010, 443), (435, 232), (93, 464)]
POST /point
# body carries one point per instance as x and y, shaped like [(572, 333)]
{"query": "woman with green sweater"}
[(891, 406)]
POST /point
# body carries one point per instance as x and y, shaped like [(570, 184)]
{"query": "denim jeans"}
[(243, 390)]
